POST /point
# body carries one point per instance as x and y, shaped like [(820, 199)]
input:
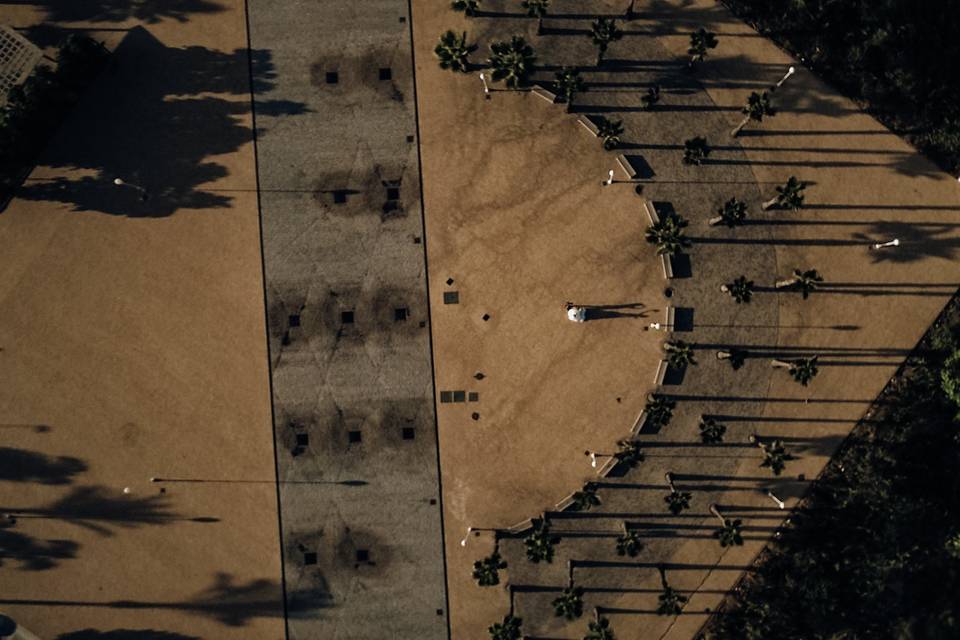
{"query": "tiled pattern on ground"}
[(348, 322)]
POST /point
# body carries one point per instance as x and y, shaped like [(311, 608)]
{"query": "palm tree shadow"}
[(124, 634), (20, 465), (149, 11), (156, 129)]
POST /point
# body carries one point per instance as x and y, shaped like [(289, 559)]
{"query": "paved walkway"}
[(349, 322), (504, 203)]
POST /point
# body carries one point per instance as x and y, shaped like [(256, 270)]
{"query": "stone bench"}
[(651, 213), (589, 125), (543, 92), (670, 318), (521, 527), (639, 423), (661, 373), (667, 263), (627, 166), (566, 503), (607, 467)]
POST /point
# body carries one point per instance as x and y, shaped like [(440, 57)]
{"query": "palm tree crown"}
[(569, 83), (732, 213), (679, 354), (758, 105), (668, 235), (452, 50), (741, 289), (487, 571), (629, 544), (651, 97), (609, 131), (711, 431), (511, 61), (586, 498), (468, 7), (536, 8), (775, 456), (695, 150), (670, 601), (729, 533), (629, 453), (805, 281), (804, 370), (539, 544), (677, 501), (569, 604), (603, 31), (789, 196), (509, 629), (659, 410), (599, 630), (700, 42)]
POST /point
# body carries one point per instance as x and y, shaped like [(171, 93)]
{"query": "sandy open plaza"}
[(327, 365)]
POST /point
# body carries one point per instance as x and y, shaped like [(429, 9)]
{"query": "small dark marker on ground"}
[(475, 416)]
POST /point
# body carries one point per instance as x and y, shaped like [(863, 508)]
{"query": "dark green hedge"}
[(875, 553), (900, 58), (35, 109)]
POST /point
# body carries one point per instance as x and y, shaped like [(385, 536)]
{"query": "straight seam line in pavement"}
[(426, 278), (266, 324)]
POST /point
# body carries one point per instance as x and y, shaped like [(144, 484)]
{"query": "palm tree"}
[(586, 498), (629, 453), (569, 604), (668, 235), (536, 9), (732, 213), (540, 543), (509, 629), (736, 357), (700, 42), (468, 7), (599, 630), (676, 501), (789, 196), (651, 98), (670, 601), (659, 410), (803, 370), (758, 105), (609, 131), (511, 61), (775, 455), (741, 289), (679, 354), (630, 543), (629, 14), (729, 531), (695, 150), (711, 431), (452, 50), (487, 571), (569, 84), (806, 281), (603, 31)]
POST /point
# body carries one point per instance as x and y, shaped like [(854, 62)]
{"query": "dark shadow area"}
[(608, 311), (642, 167), (682, 265), (100, 509), (224, 601), (20, 465), (125, 634), (149, 11), (683, 319), (32, 554), (155, 129)]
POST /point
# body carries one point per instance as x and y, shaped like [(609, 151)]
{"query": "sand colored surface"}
[(133, 343), (509, 188)]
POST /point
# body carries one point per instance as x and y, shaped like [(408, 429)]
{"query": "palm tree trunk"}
[(715, 221), (669, 478), (600, 56), (724, 355), (539, 25), (739, 127), (770, 203), (716, 511), (783, 284), (630, 10), (510, 589), (569, 573), (663, 577), (781, 364), (724, 288)]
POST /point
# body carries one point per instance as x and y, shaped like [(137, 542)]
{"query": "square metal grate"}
[(18, 57)]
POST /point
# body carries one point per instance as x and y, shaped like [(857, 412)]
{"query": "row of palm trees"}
[(512, 62)]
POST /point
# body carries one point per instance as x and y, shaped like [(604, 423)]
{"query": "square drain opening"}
[(310, 557), (294, 320), (386, 73), (408, 433), (400, 314), (451, 297), (354, 437), (346, 317), (333, 77)]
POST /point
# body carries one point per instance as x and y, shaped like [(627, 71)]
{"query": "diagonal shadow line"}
[(753, 348), (786, 242)]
